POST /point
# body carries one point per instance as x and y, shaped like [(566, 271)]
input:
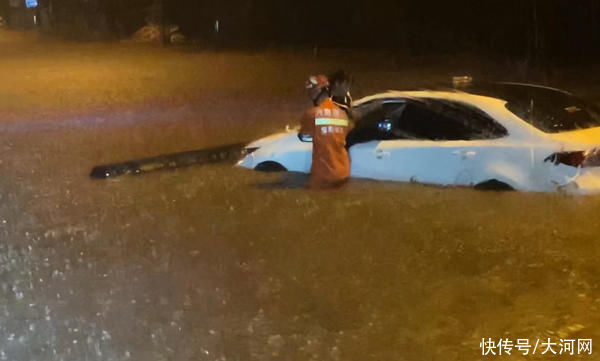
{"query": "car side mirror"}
[(307, 138)]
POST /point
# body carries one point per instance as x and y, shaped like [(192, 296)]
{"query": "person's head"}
[(340, 83), (317, 88)]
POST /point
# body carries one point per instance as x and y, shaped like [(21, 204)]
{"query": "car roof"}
[(492, 98), (472, 93), (512, 89), (483, 102)]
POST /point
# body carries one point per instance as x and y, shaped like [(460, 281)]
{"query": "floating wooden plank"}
[(231, 152)]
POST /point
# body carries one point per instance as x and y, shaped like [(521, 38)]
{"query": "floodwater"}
[(221, 263), (208, 263)]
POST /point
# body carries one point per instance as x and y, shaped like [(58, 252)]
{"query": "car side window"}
[(375, 123), (425, 119), (442, 120), (480, 125)]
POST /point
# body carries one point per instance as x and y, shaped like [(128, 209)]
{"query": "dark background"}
[(552, 30)]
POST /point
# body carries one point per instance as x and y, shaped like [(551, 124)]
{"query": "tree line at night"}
[(552, 29)]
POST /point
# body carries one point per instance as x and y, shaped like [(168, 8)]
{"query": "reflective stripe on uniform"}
[(331, 121)]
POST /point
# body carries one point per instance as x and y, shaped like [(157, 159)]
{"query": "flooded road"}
[(221, 263), (207, 263)]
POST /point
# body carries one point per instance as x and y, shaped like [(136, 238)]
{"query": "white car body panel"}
[(296, 157), (517, 160)]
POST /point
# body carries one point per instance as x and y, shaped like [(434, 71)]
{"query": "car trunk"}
[(586, 137)]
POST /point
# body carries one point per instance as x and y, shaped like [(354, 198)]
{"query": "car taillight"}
[(592, 158), (577, 159)]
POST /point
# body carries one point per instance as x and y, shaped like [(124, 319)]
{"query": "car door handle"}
[(380, 153)]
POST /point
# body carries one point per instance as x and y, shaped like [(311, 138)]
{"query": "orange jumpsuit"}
[(328, 125)]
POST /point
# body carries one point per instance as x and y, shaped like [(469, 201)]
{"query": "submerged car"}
[(508, 136)]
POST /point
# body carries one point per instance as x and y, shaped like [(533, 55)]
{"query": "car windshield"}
[(549, 110)]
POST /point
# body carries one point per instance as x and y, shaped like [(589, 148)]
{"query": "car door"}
[(427, 141), (368, 132), (422, 161)]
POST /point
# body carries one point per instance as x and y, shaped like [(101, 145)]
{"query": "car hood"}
[(582, 137), (272, 140)]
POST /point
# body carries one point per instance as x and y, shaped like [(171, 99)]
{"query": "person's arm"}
[(307, 123)]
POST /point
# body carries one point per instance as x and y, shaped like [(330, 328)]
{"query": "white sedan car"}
[(491, 136)]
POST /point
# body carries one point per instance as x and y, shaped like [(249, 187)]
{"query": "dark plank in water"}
[(231, 152)]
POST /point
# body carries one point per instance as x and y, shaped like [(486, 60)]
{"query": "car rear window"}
[(549, 110)]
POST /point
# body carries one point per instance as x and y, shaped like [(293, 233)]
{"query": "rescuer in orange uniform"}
[(328, 124)]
